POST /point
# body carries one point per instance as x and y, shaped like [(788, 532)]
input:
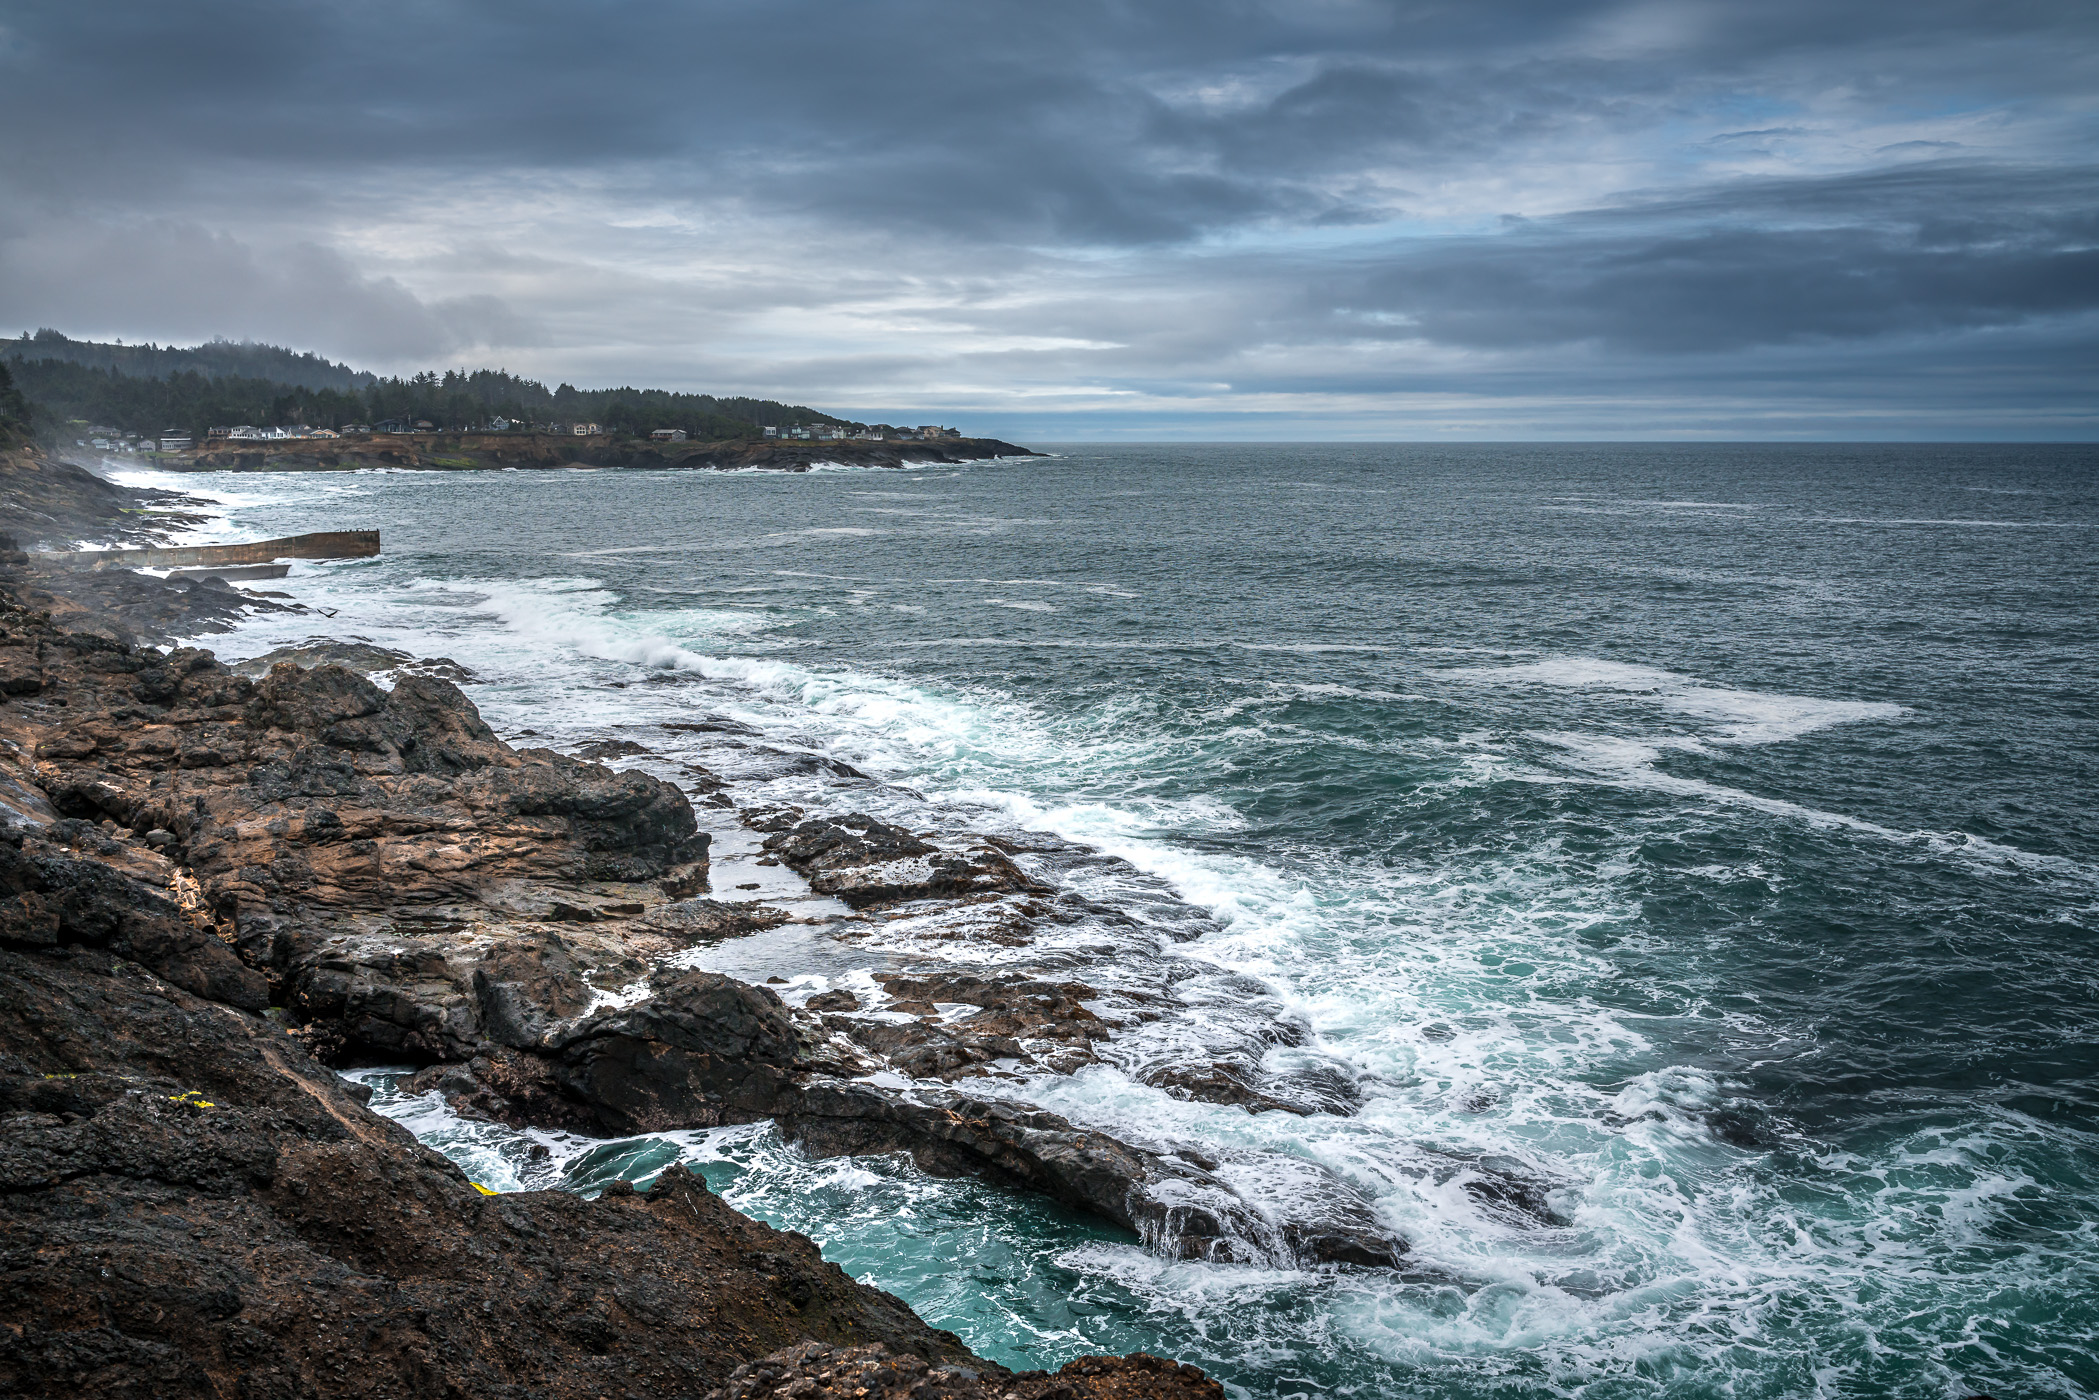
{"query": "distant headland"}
[(226, 406)]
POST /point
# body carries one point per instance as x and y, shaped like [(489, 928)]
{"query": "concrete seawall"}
[(332, 544)]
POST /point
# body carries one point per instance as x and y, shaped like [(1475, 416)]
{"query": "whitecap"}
[(1741, 716)]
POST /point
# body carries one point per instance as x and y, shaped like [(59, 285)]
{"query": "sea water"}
[(1707, 828)]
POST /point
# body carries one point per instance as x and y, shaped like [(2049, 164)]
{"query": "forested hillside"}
[(14, 410), (214, 359), (144, 389)]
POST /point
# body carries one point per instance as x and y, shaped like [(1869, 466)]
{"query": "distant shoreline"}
[(466, 451)]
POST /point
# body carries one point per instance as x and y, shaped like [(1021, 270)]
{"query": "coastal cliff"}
[(201, 874), (495, 451)]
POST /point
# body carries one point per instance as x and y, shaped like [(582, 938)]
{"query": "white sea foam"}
[(1738, 716)]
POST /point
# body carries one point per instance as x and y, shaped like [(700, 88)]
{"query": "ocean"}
[(1704, 831)]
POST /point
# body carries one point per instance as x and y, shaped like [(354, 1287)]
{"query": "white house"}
[(585, 429), (668, 435)]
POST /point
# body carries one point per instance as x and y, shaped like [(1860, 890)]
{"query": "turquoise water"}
[(1708, 829)]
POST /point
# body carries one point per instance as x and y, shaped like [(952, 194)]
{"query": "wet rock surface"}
[(1011, 1022), (872, 1372), (868, 863), (355, 654), (1180, 1201), (50, 502), (702, 1050), (690, 921), (191, 1205)]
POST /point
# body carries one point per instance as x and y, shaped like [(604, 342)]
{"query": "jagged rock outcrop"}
[(867, 862), (1024, 1021), (1177, 1200), (365, 658), (703, 1050), (691, 921), (50, 899), (317, 789), (46, 500)]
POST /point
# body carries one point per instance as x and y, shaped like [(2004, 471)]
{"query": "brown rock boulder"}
[(703, 1050)]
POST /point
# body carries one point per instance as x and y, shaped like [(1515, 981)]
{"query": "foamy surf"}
[(1542, 911)]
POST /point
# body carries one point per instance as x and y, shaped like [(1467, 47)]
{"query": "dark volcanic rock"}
[(814, 1371), (1176, 1202), (701, 1051), (1034, 1022), (692, 921), (865, 862), (189, 1206), (1223, 1081), (525, 988), (47, 501), (601, 749), (358, 655), (123, 606), (51, 900), (316, 787)]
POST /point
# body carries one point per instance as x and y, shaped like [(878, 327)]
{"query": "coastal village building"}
[(248, 432), (173, 441), (668, 435), (585, 429)]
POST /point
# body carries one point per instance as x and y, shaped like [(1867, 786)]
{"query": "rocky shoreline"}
[(226, 882), (194, 1204), (530, 451)]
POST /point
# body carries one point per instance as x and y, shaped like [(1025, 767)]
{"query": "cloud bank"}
[(1319, 218)]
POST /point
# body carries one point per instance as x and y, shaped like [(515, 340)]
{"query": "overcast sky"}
[(1081, 218)]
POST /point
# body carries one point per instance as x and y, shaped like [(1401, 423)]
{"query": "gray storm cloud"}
[(1322, 216)]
